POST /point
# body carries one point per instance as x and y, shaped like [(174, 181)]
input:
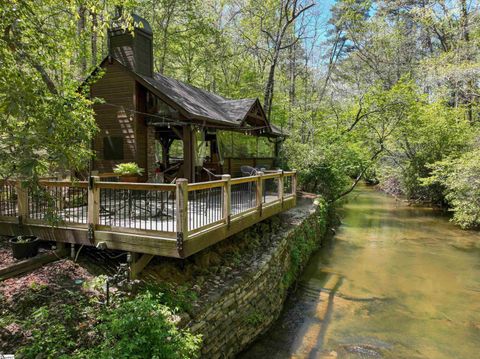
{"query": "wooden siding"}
[(114, 118), (122, 48)]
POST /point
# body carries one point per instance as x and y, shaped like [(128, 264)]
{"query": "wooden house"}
[(146, 114), (184, 136)]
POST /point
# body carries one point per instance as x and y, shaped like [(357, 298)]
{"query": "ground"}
[(58, 285)]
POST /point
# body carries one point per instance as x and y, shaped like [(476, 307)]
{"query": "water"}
[(395, 282)]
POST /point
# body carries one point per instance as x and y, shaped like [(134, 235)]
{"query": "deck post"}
[(93, 214), (259, 192), (280, 186), (227, 197), (294, 187), (22, 201), (181, 206), (138, 262), (294, 182)]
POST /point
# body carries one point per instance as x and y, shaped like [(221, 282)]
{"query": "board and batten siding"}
[(119, 91)]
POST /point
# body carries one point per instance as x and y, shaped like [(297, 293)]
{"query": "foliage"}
[(460, 179), (50, 338), (142, 328), (383, 91), (24, 239), (305, 240), (46, 124), (77, 326), (433, 131), (177, 297), (128, 169)]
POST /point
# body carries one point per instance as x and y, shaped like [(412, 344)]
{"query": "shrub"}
[(128, 169), (460, 179), (142, 328)]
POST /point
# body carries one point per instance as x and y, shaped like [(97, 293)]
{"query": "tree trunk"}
[(293, 76), (469, 86), (168, 16), (94, 39), (82, 48), (268, 98)]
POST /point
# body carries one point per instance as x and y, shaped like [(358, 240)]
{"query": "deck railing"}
[(62, 202), (177, 211), (8, 199)]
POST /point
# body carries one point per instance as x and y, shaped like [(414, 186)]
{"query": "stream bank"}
[(236, 312)]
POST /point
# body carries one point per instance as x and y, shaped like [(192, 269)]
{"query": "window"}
[(113, 148), (176, 149)]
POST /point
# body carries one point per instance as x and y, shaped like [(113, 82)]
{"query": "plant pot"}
[(129, 179), (23, 249)]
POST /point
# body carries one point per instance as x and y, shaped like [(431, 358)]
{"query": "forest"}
[(385, 91), (381, 92)]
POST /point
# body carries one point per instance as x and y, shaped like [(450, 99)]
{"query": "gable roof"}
[(199, 104)]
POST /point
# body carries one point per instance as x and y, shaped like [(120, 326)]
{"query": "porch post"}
[(188, 153), (181, 207), (22, 201), (294, 182)]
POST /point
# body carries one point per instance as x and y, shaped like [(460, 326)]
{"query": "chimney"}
[(133, 49)]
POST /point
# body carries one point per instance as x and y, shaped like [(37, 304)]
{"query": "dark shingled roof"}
[(200, 103)]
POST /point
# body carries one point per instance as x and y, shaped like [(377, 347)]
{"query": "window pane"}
[(113, 148)]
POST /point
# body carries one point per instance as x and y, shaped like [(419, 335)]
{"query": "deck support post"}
[(181, 206), (93, 214), (280, 186), (259, 192), (22, 202), (227, 204), (138, 263)]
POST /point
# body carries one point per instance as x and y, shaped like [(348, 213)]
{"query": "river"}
[(396, 281)]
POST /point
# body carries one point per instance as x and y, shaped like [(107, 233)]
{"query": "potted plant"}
[(24, 246), (128, 172)]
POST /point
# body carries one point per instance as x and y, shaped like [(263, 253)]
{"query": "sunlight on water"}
[(396, 282)]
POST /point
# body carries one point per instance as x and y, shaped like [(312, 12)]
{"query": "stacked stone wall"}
[(234, 316)]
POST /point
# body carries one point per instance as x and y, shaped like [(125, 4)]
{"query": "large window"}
[(113, 148), (239, 145)]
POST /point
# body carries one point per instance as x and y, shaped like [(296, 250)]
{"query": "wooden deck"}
[(173, 220)]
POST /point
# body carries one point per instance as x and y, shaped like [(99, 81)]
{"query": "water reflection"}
[(396, 282)]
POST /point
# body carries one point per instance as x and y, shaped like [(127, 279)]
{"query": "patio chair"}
[(248, 171)]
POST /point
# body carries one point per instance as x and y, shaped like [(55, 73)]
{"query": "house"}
[(170, 127), (192, 140)]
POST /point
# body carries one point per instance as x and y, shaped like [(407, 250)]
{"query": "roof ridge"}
[(190, 85)]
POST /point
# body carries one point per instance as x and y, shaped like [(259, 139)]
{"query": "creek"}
[(396, 281)]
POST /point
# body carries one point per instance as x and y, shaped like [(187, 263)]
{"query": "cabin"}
[(211, 166), (171, 128)]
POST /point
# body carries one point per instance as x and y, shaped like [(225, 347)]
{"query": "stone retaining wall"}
[(234, 315)]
